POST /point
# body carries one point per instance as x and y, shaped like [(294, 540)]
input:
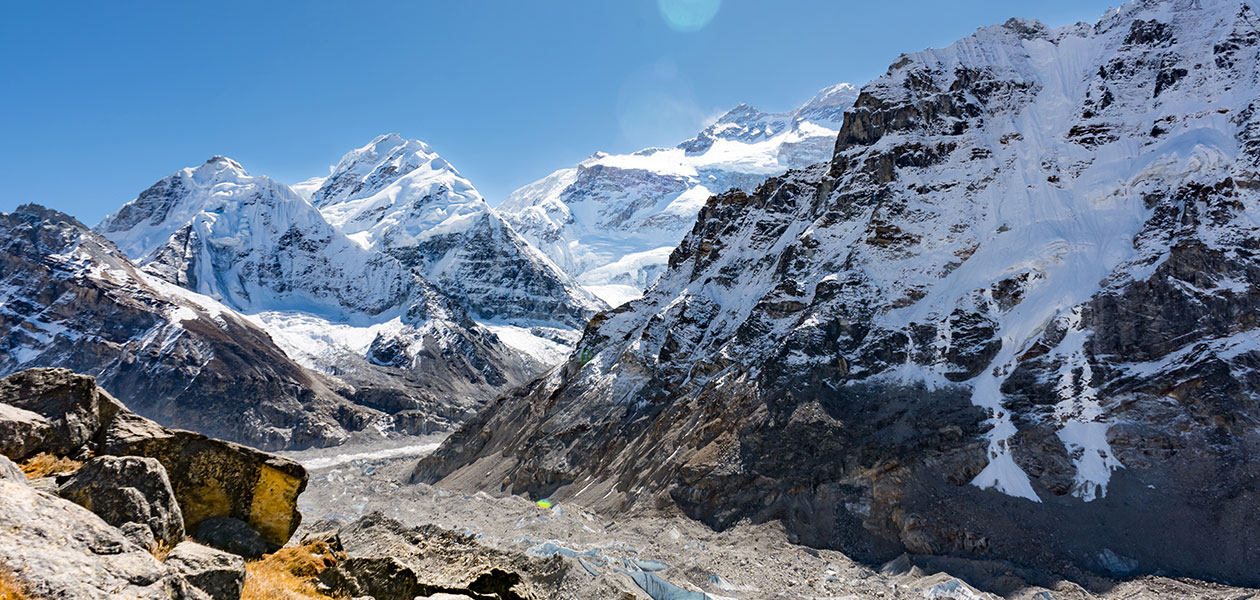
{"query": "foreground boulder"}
[(11, 472), (128, 489), (22, 432), (57, 549), (56, 412), (213, 478), (209, 477), (221, 575)]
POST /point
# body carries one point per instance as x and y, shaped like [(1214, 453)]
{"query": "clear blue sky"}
[(101, 99)]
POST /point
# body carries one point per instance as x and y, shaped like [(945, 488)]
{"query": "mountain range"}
[(998, 303), (1012, 317), (389, 293)]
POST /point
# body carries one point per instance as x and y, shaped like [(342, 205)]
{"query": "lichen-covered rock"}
[(58, 549), (221, 575), (209, 477), (233, 535), (128, 489), (213, 478)]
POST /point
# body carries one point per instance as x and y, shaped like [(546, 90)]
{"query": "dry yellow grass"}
[(289, 574), (10, 589), (45, 464)]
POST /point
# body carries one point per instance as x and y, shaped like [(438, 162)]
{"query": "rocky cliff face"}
[(70, 298), (612, 221), (1012, 318)]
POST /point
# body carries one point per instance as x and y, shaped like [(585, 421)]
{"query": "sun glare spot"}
[(688, 15)]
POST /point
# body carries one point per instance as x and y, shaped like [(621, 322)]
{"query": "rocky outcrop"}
[(1011, 319), (208, 477), (22, 432), (128, 489), (57, 549), (389, 561), (213, 478), (221, 575), (62, 412)]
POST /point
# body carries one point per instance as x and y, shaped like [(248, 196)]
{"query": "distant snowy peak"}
[(747, 124), (400, 198), (611, 221), (145, 223), (396, 192)]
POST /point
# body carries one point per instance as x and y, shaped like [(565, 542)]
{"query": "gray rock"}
[(219, 574), (22, 432), (138, 534), (128, 489), (48, 485), (390, 561), (233, 535), (67, 401), (11, 472), (57, 549)]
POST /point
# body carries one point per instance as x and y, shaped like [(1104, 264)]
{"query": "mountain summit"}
[(612, 221), (398, 197)]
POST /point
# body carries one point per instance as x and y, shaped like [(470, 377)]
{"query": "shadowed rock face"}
[(219, 574), (1013, 318)]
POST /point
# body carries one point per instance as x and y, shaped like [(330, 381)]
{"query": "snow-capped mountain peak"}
[(612, 221), (369, 169), (396, 192), (146, 222), (400, 198)]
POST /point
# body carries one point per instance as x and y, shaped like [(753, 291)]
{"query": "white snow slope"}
[(612, 221), (398, 197)]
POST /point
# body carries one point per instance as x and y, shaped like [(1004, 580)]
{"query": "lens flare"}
[(688, 15), (656, 106)]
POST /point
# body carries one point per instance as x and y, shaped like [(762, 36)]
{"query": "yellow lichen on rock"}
[(271, 512)]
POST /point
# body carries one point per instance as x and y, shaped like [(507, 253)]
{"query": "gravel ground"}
[(672, 557)]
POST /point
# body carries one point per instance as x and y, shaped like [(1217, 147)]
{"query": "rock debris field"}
[(671, 557)]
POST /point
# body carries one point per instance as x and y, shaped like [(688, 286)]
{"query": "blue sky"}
[(101, 99)]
